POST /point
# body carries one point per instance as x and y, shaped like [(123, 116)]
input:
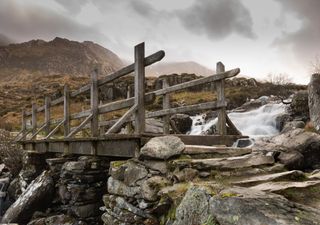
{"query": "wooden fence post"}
[(34, 118), (66, 110), (47, 103), (139, 88), (24, 123), (222, 129), (166, 105), (94, 100)]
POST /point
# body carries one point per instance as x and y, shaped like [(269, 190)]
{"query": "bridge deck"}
[(116, 145)]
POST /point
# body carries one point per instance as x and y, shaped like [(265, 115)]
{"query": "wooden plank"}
[(122, 72), (80, 127), (34, 118), (200, 149), (47, 101), (66, 110), (123, 104), (24, 123), (151, 59), (166, 105), (54, 130), (209, 140), (139, 88), (209, 79), (222, 129), (232, 127), (94, 100), (184, 109), (115, 128), (42, 127)]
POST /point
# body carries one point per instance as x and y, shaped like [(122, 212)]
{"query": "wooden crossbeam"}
[(38, 131), (54, 130), (80, 127), (115, 128)]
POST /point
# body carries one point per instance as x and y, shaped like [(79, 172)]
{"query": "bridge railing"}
[(136, 104)]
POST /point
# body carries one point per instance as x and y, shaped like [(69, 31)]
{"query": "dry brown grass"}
[(10, 153)]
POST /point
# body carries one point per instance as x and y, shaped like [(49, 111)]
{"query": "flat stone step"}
[(285, 185), (230, 163), (215, 151), (306, 192), (293, 175)]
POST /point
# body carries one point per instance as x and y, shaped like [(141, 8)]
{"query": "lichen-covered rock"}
[(151, 187), (243, 206), (119, 188), (57, 219), (314, 100), (162, 148), (194, 207), (37, 196), (299, 106)]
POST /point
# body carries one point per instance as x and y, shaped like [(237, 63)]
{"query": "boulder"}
[(299, 106), (37, 196), (57, 219), (244, 206), (314, 100), (292, 125), (119, 188), (182, 122), (194, 207), (162, 148), (151, 187), (306, 143)]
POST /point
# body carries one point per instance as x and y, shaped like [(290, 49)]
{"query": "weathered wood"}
[(222, 129), (54, 130), (109, 78), (80, 127), (209, 79), (47, 101), (166, 105), (42, 127), (139, 88), (24, 122), (66, 110), (184, 109), (123, 104), (34, 118), (233, 128), (94, 99), (115, 128)]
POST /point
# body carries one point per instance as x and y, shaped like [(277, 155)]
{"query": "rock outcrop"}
[(37, 196), (314, 100)]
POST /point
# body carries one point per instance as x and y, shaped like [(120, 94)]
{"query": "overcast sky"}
[(258, 36)]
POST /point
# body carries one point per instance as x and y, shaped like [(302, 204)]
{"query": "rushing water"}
[(254, 123)]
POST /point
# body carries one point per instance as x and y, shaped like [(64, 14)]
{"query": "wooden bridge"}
[(110, 143)]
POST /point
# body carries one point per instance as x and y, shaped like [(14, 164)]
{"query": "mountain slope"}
[(178, 68), (57, 57)]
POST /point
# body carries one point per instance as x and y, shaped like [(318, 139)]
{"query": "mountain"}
[(178, 68), (4, 40), (57, 57)]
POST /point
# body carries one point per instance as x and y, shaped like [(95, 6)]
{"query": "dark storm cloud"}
[(25, 22), (218, 19), (143, 8), (305, 41)]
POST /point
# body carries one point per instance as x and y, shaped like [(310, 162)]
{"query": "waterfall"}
[(255, 123)]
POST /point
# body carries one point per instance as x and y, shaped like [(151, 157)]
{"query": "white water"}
[(256, 123)]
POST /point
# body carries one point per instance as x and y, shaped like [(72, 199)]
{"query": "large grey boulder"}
[(162, 148), (314, 100), (194, 207), (36, 197), (306, 143), (183, 122), (243, 206)]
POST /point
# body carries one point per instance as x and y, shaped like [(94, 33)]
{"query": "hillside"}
[(178, 68), (57, 57)]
